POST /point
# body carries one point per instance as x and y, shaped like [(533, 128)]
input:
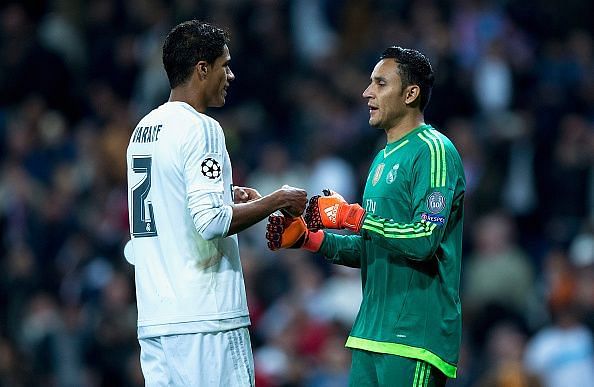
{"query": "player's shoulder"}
[(189, 122), (177, 110), (428, 139)]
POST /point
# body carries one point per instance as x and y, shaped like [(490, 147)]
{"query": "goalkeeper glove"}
[(332, 211), (285, 232)]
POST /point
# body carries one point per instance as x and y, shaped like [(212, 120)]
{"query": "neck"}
[(404, 126), (185, 93)]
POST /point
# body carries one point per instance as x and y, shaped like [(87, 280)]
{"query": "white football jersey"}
[(179, 190)]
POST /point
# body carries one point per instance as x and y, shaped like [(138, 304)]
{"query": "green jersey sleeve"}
[(343, 249), (434, 177)]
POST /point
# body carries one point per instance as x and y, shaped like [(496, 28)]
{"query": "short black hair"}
[(187, 44), (415, 69)]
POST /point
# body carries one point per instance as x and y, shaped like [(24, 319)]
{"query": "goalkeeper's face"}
[(385, 97), (218, 79)]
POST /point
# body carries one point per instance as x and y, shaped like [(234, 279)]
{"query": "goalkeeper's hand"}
[(286, 232), (332, 211)]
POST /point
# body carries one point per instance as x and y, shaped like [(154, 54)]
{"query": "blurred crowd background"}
[(514, 91)]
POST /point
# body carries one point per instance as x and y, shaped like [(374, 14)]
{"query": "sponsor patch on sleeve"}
[(435, 202), (432, 218)]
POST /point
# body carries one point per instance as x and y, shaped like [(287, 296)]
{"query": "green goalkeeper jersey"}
[(409, 251)]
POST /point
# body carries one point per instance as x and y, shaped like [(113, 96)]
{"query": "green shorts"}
[(379, 369)]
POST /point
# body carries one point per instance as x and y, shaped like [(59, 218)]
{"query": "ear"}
[(412, 94), (202, 69)]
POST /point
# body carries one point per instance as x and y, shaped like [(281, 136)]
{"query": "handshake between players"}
[(329, 211)]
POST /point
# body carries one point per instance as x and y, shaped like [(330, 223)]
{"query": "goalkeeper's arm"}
[(417, 240)]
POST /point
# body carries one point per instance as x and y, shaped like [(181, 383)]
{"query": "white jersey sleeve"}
[(204, 157), (188, 273)]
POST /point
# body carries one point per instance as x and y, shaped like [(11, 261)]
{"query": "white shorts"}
[(198, 359)]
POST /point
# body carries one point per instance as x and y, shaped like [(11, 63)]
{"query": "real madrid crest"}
[(392, 174), (378, 173)]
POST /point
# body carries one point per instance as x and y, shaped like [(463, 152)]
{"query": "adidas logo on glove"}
[(331, 213)]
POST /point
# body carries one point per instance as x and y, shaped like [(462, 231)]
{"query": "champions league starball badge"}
[(210, 168)]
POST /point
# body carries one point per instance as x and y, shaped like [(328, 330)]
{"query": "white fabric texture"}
[(188, 274), (222, 359)]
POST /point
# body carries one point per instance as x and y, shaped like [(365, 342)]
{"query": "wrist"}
[(313, 241), (354, 217), (274, 200)]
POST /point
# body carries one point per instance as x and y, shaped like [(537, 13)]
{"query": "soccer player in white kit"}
[(184, 213)]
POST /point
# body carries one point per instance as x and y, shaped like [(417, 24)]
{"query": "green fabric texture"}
[(409, 251)]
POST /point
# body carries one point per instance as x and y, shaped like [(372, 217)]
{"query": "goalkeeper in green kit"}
[(407, 238)]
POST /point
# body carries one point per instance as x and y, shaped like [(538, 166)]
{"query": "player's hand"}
[(285, 232), (293, 200), (332, 211), (245, 194)]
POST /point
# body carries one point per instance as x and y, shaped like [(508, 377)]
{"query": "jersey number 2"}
[(143, 223)]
